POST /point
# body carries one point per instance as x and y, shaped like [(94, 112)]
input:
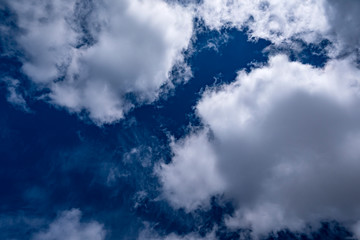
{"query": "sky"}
[(179, 119)]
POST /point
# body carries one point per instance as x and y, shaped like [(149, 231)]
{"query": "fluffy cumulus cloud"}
[(192, 177), (101, 57), (281, 21), (284, 146), (68, 226)]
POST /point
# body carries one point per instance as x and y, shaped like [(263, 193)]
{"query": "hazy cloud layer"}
[(95, 56), (285, 140), (68, 226)]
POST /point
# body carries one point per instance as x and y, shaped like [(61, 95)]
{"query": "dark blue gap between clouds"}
[(51, 161)]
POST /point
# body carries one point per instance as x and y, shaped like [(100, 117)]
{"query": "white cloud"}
[(275, 20), (68, 226), (136, 44), (285, 144), (280, 21), (47, 38), (192, 176)]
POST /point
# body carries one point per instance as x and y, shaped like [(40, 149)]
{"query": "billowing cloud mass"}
[(68, 226), (96, 56), (285, 140)]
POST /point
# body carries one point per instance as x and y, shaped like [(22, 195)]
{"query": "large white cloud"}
[(285, 143), (133, 47), (68, 226)]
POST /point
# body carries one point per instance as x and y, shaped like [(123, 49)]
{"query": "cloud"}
[(46, 38), (282, 21), (13, 94), (284, 143), (274, 20), (356, 229), (149, 233), (68, 226), (105, 57), (192, 177), (343, 17)]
